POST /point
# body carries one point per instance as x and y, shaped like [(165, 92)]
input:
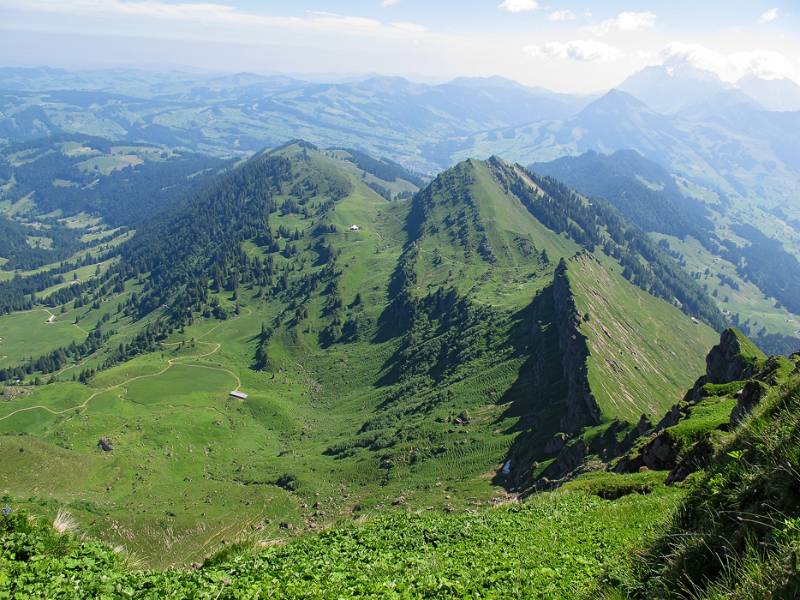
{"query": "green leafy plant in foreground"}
[(552, 546)]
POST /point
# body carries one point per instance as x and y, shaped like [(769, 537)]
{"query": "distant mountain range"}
[(243, 113), (682, 118)]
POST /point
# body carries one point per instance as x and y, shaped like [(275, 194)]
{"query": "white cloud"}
[(518, 6), (625, 21), (582, 50), (561, 15), (410, 27), (388, 3), (219, 14), (768, 16), (763, 63), (767, 64), (695, 55)]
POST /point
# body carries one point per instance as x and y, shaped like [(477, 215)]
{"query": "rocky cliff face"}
[(558, 373), (581, 407), (726, 361)]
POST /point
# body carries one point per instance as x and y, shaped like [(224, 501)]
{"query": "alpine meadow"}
[(376, 300)]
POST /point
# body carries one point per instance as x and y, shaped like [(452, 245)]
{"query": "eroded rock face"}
[(671, 418), (660, 453), (581, 406)]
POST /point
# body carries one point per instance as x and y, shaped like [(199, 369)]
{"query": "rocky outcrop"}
[(725, 363), (616, 440), (671, 418), (698, 456), (660, 453), (581, 406), (571, 456), (733, 361), (567, 464), (751, 394), (642, 427)]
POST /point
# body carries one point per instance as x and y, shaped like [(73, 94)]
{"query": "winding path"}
[(170, 363)]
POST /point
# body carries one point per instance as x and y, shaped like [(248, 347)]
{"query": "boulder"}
[(660, 453)]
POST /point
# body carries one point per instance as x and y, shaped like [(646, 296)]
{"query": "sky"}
[(566, 45)]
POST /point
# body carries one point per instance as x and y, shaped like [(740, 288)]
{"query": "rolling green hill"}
[(603, 535), (443, 351)]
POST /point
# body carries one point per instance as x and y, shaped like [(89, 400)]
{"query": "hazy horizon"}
[(572, 47)]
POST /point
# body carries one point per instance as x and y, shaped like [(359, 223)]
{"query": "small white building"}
[(354, 228), (51, 319), (239, 395)]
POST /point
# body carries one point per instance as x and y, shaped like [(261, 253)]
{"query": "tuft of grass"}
[(64, 522)]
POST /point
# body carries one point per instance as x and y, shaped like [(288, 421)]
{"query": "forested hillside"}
[(121, 183), (446, 339), (68, 202)]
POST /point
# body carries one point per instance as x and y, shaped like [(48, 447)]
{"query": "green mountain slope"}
[(631, 333), (749, 275), (394, 353), (623, 357), (603, 535), (466, 231)]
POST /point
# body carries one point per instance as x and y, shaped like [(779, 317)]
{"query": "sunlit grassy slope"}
[(388, 419), (643, 352), (560, 545)]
